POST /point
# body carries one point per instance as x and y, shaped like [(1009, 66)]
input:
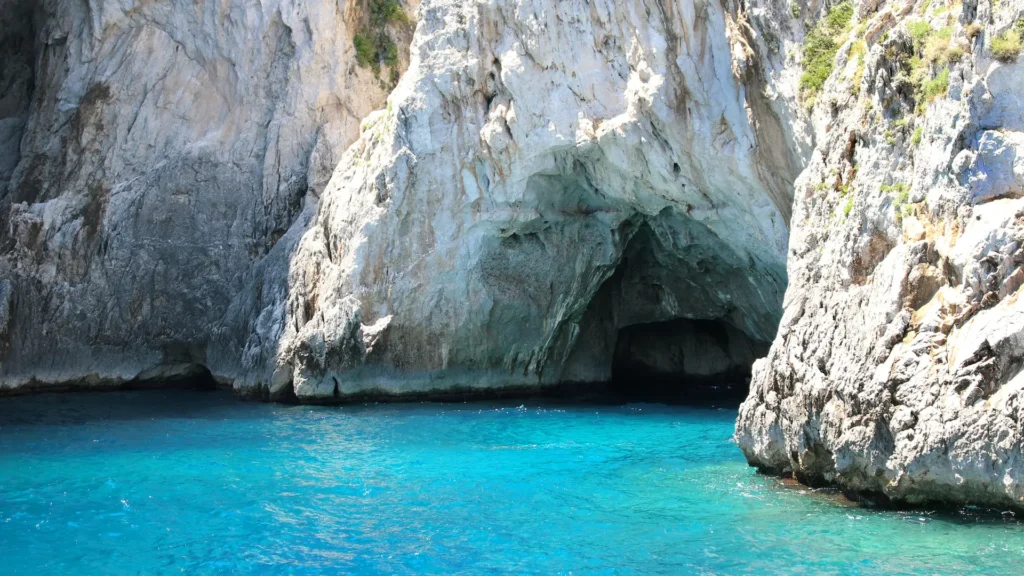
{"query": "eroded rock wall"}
[(897, 368), (545, 177), (537, 157), (152, 154)]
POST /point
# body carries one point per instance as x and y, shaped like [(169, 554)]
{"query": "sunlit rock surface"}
[(545, 175), (151, 155), (897, 368)]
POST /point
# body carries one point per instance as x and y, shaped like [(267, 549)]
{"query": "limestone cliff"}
[(542, 177), (897, 368), (151, 154)]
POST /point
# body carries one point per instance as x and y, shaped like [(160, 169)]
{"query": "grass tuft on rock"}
[(915, 138), (821, 45), (1006, 47), (935, 87), (858, 51)]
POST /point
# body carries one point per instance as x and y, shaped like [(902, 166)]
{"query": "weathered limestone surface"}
[(897, 369), (151, 154), (544, 175)]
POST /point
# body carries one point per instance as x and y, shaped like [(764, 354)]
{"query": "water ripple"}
[(147, 483)]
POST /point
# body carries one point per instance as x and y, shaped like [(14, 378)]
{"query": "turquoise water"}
[(171, 482)]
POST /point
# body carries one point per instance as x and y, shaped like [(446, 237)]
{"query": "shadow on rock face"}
[(683, 361)]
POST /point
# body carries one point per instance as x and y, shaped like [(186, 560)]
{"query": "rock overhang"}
[(501, 194)]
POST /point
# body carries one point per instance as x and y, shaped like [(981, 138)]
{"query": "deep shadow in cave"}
[(193, 377), (196, 378), (683, 361), (681, 319)]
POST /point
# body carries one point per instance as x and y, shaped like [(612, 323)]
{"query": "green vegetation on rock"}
[(373, 43), (901, 202), (934, 50), (935, 87), (1006, 47), (902, 190), (915, 139), (919, 30), (821, 45), (858, 51)]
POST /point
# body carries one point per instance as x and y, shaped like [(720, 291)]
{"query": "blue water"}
[(162, 482)]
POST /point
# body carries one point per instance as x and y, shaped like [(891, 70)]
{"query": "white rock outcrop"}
[(544, 175), (897, 370)]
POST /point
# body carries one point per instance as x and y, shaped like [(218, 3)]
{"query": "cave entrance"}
[(180, 377), (681, 318), (683, 361), (200, 378)]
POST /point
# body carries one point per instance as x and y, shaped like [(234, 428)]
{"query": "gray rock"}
[(167, 147), (897, 368), (544, 177)]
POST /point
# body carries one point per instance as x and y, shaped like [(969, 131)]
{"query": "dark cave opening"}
[(680, 320), (197, 377), (179, 372), (684, 361)]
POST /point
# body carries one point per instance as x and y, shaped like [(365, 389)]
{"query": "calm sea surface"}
[(194, 482)]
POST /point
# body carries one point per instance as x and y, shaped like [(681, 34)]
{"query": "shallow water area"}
[(170, 481)]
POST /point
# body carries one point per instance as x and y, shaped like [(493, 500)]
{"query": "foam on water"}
[(157, 482)]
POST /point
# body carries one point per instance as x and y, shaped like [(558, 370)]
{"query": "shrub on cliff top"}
[(821, 45)]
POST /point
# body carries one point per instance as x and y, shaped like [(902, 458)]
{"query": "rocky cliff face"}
[(897, 367), (544, 176), (151, 155)]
